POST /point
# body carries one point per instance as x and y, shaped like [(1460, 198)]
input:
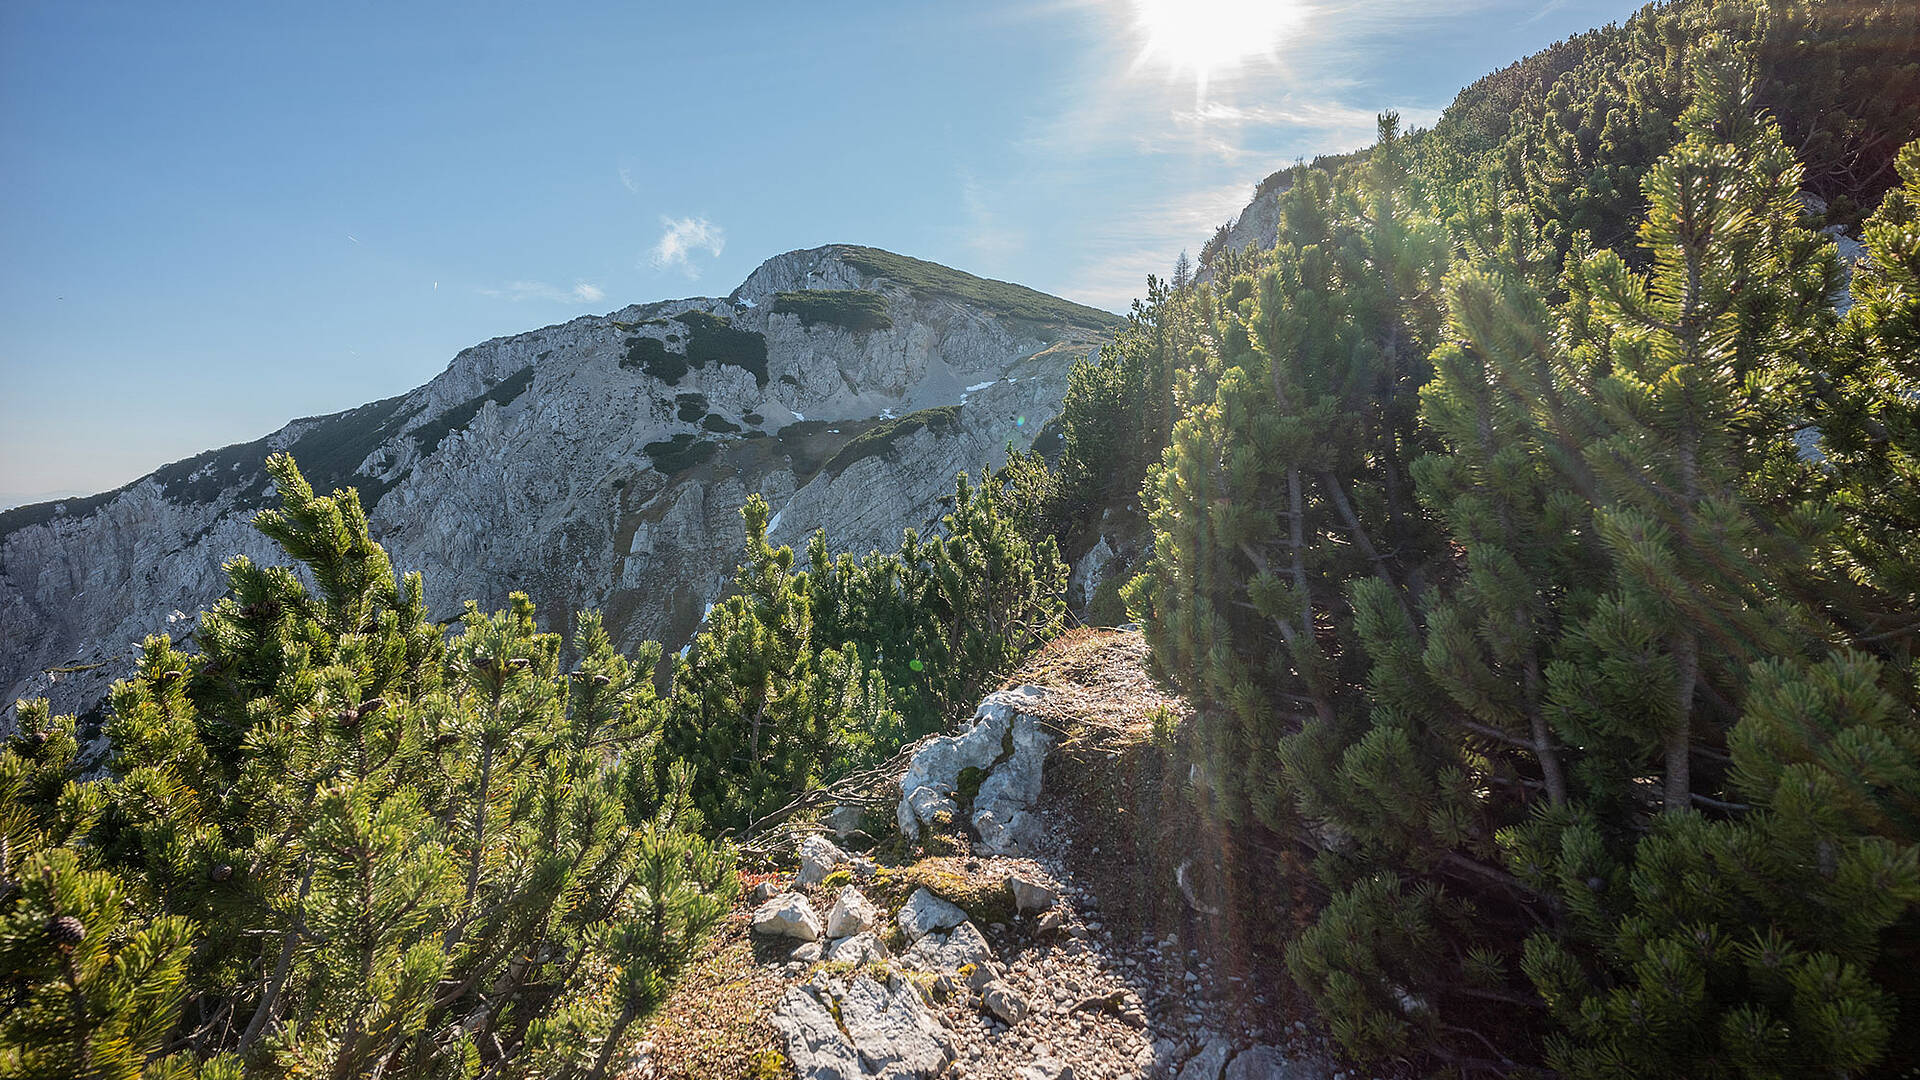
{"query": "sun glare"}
[(1209, 37)]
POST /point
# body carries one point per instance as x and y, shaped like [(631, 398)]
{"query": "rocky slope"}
[(595, 464)]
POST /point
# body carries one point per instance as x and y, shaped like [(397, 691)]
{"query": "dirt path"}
[(1121, 978)]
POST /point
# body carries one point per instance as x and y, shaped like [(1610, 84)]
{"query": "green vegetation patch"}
[(882, 437), (720, 425), (680, 453), (1014, 301), (858, 310), (650, 355), (429, 434), (1106, 607), (691, 406), (714, 340), (809, 444)]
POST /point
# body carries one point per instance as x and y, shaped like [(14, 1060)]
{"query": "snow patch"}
[(977, 387)]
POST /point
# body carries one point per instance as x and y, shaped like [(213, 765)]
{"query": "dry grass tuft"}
[(1101, 690)]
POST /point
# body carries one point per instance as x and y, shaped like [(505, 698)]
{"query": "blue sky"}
[(219, 217)]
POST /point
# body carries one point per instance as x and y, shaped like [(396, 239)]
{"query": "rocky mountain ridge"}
[(598, 463)]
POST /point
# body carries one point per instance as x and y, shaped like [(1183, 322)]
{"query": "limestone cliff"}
[(595, 464)]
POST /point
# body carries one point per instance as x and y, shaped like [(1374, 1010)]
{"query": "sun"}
[(1208, 37)]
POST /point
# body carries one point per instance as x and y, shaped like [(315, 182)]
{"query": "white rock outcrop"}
[(862, 948), (1005, 742), (950, 951), (1271, 1063), (818, 857), (852, 914), (860, 1030), (924, 913)]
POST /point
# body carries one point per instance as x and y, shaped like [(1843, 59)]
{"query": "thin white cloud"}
[(626, 180), (1546, 9), (681, 239), (987, 234), (582, 292)]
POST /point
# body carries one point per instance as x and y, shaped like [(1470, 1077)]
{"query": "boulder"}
[(1006, 743), (787, 915), (1029, 895), (818, 857), (950, 951), (984, 972), (765, 891), (1004, 1002), (852, 913), (858, 949), (925, 913), (805, 953)]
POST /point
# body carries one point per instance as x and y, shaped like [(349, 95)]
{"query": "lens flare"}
[(1208, 37)]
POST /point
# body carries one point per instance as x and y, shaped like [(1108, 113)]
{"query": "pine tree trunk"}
[(288, 944), (1304, 643), (1543, 750), (612, 1042), (1679, 741), (1363, 541)]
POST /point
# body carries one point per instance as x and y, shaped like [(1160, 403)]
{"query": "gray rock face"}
[(815, 1044), (1088, 573), (1006, 743), (937, 952), (1209, 1062), (883, 1032), (862, 948), (1269, 1063), (544, 461), (1255, 227), (843, 819), (924, 913)]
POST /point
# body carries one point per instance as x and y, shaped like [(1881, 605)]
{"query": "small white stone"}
[(787, 915)]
